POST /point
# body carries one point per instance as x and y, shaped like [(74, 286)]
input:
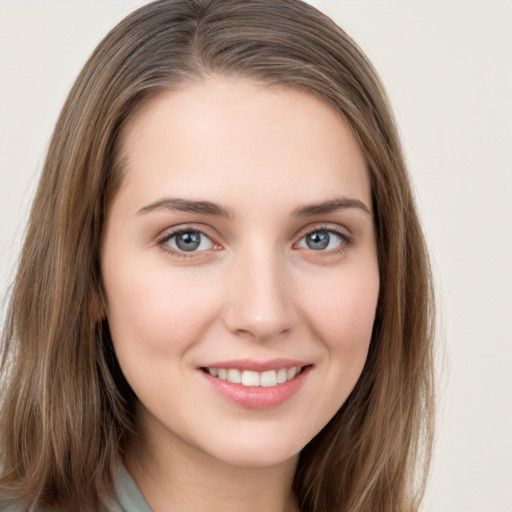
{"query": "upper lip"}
[(256, 366)]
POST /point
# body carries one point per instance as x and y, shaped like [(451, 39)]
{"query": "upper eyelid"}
[(168, 233), (323, 226)]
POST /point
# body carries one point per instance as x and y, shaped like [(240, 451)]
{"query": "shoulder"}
[(11, 505), (8, 504), (128, 498)]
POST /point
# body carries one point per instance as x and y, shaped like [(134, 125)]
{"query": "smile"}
[(249, 378), (257, 385)]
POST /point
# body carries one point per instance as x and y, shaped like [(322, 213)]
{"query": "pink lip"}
[(257, 397), (256, 366)]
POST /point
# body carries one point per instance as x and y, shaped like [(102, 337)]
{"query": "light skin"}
[(243, 229)]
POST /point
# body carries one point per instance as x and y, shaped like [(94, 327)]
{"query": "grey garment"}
[(10, 505), (128, 499), (128, 494)]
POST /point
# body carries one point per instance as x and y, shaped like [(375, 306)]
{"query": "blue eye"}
[(189, 241), (321, 240)]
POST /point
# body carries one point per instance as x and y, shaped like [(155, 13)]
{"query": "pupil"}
[(188, 241), (318, 240)]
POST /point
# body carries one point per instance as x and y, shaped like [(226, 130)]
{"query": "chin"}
[(257, 458), (256, 451)]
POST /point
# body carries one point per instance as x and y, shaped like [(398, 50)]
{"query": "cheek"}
[(342, 311), (342, 317), (156, 312)]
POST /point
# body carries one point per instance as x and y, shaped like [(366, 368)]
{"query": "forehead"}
[(243, 134)]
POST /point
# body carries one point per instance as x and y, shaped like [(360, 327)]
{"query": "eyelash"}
[(345, 243), (162, 241)]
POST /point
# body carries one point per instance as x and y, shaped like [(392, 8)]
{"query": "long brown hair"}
[(66, 410)]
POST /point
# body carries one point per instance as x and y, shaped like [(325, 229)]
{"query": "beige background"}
[(448, 69)]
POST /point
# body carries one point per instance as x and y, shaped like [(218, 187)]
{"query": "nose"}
[(260, 297)]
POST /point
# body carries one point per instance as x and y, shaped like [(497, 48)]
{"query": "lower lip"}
[(257, 397)]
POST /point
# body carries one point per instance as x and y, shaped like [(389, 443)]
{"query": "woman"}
[(223, 299)]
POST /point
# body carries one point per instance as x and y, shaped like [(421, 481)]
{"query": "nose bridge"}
[(260, 302)]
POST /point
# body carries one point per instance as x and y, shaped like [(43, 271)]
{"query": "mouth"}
[(256, 384), (254, 379)]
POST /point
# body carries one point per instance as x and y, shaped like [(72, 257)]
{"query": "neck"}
[(177, 476)]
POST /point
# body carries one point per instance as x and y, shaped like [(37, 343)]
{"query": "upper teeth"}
[(251, 378)]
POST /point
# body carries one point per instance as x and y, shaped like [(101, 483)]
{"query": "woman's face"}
[(240, 250)]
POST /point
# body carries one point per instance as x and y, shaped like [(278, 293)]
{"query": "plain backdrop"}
[(447, 66)]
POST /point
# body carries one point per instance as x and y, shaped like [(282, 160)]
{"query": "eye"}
[(321, 240), (188, 241)]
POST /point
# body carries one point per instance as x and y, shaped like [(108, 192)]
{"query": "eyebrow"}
[(186, 205), (209, 208), (330, 206)]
